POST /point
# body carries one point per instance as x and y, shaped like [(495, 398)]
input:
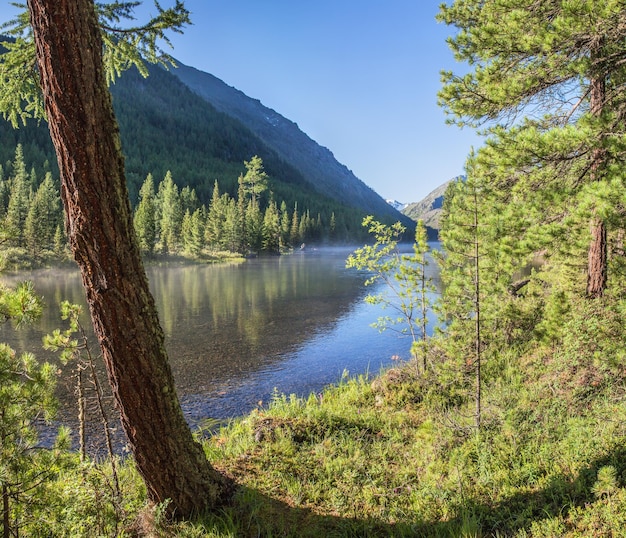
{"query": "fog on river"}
[(235, 333)]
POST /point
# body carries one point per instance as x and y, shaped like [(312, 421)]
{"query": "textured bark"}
[(99, 224), (597, 261)]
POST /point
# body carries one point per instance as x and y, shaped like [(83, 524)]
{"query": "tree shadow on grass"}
[(258, 515)]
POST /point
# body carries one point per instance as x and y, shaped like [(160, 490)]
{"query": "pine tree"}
[(73, 52), (285, 225), (26, 399), (254, 182), (477, 268), (562, 63), (44, 216), (254, 226), (192, 232), (214, 231), (19, 199), (294, 231), (271, 229)]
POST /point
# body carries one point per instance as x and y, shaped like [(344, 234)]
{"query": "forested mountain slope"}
[(166, 126), (316, 163)]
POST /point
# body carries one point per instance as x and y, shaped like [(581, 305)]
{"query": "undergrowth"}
[(384, 456)]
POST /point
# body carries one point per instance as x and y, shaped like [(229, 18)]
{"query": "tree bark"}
[(597, 260), (99, 225)]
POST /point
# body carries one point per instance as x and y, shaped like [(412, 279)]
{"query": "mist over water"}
[(235, 333)]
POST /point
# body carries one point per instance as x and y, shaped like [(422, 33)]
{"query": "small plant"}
[(78, 349), (26, 400), (606, 483), (408, 287)]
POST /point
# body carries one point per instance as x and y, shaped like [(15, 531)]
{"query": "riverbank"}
[(386, 456)]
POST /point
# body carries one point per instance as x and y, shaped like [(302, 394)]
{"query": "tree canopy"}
[(545, 81)]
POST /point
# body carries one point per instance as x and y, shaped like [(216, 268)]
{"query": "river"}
[(236, 333)]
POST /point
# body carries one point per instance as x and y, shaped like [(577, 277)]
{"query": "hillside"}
[(165, 125), (317, 164), (428, 209)]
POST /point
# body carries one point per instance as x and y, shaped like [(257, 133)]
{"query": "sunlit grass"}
[(380, 456)]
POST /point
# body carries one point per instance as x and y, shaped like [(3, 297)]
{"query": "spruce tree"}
[(271, 229), (19, 199), (285, 225), (254, 182), (171, 214), (145, 216), (44, 216), (214, 230)]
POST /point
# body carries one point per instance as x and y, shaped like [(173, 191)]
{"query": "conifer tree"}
[(44, 216), (26, 399), (294, 231), (271, 229), (285, 226), (144, 220), (19, 198), (561, 65), (216, 217), (232, 225), (254, 182), (253, 226), (73, 49), (171, 214), (192, 231), (477, 268)]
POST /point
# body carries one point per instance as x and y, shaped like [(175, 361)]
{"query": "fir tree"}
[(145, 217)]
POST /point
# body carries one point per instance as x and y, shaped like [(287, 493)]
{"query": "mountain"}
[(396, 205), (202, 130), (316, 163), (429, 209)]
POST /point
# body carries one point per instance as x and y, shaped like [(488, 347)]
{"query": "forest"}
[(509, 420), (168, 220)]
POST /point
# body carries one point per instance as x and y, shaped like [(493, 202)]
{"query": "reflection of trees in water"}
[(228, 321)]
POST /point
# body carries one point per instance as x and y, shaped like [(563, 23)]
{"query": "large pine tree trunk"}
[(99, 224), (597, 262)]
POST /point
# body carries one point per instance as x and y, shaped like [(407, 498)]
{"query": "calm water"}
[(235, 333)]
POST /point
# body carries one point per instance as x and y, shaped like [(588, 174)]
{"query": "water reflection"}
[(236, 332)]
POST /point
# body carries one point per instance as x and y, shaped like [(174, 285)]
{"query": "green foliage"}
[(407, 288), (124, 47), (546, 79), (27, 400), (145, 218)]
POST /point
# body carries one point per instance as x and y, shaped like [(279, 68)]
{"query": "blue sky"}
[(358, 76)]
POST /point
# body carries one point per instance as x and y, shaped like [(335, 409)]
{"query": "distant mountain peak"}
[(396, 205), (429, 209)]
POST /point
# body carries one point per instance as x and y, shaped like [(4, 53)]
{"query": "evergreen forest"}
[(168, 220)]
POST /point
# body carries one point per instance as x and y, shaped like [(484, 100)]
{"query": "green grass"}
[(384, 457)]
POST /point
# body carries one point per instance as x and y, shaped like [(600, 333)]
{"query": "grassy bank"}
[(384, 457)]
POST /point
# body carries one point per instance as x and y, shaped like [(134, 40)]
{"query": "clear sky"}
[(360, 77)]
